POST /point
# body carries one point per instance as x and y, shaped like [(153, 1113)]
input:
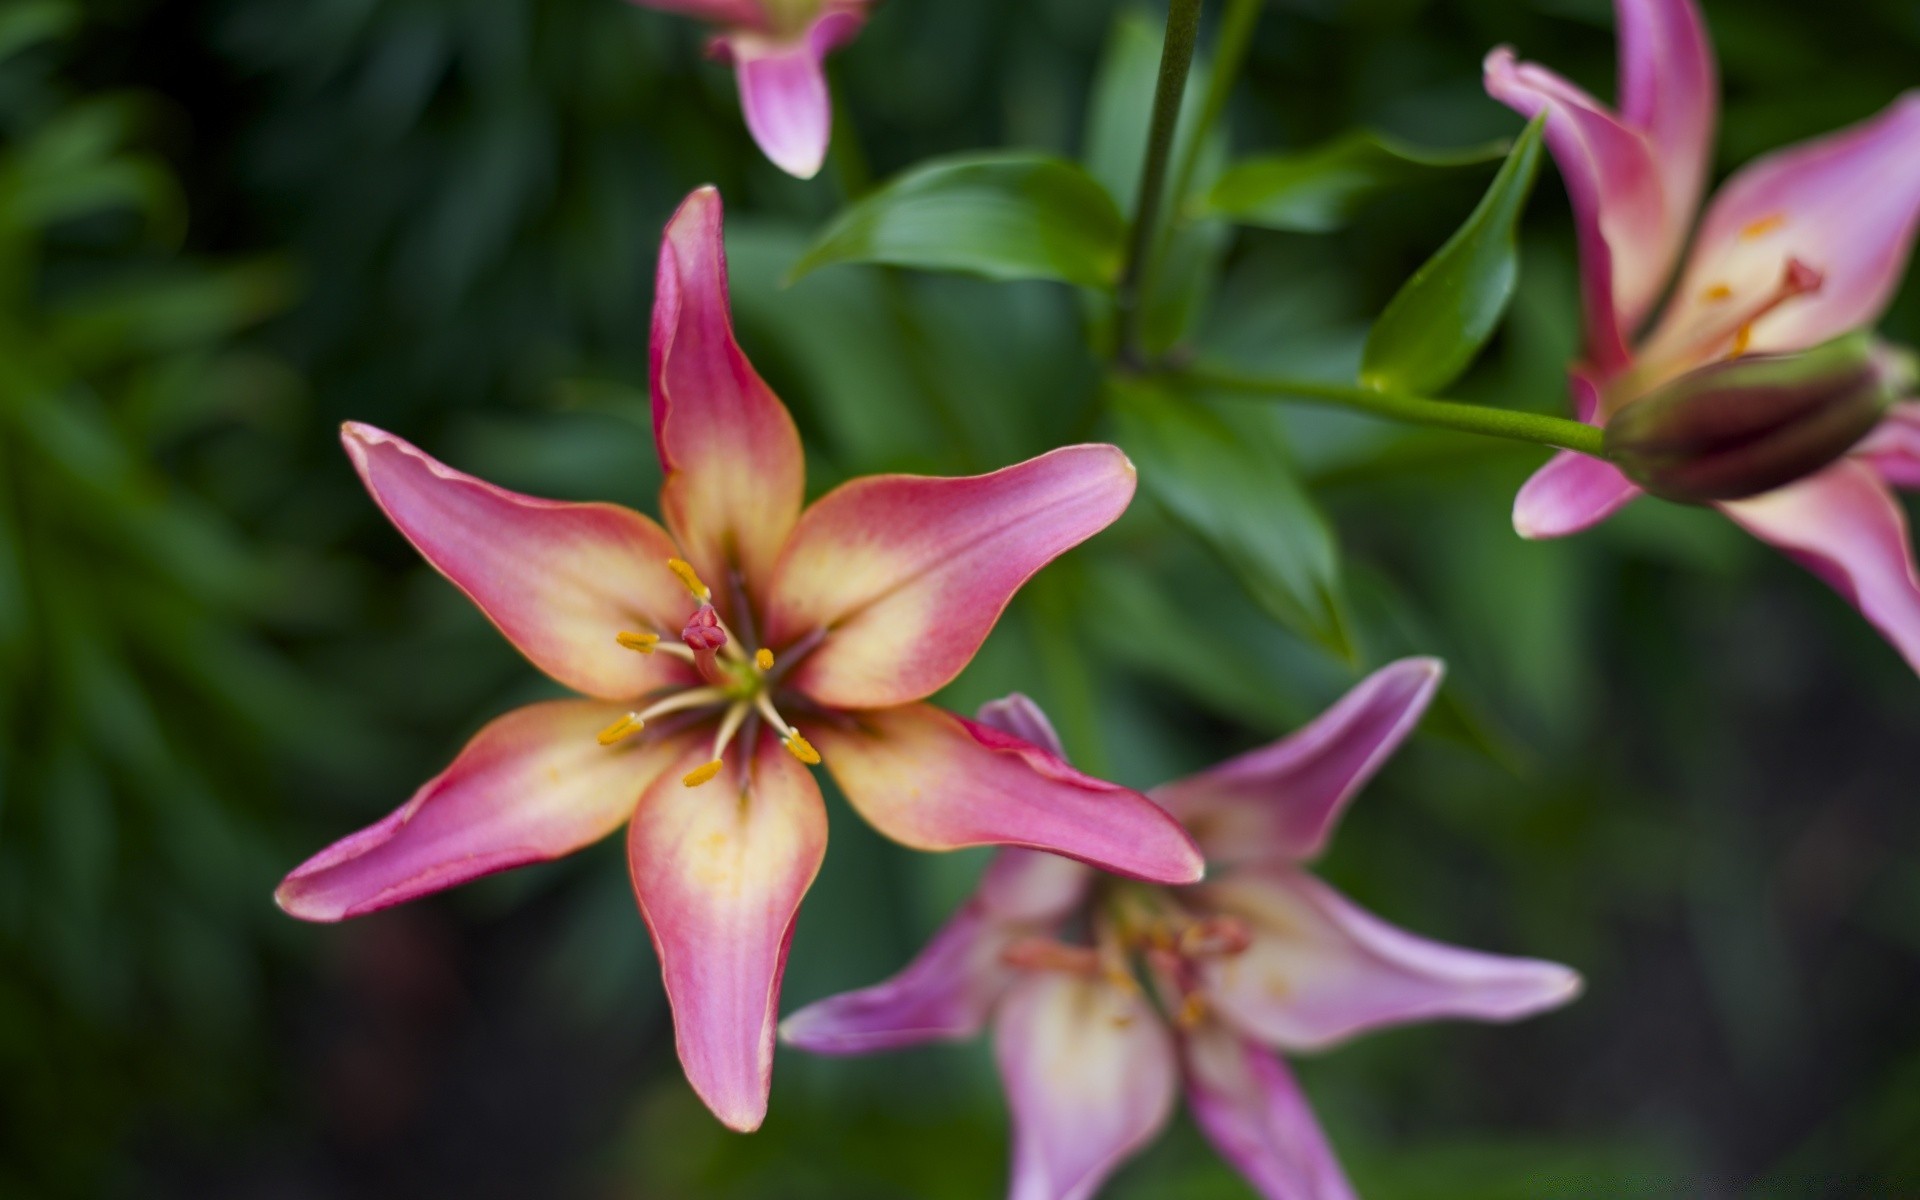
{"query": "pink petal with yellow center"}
[(1846, 206), (1280, 803), (1246, 1102), (1091, 1078), (1893, 450), (783, 89), (719, 871), (533, 785), (934, 781), (1846, 526), (1320, 970), (735, 471), (906, 575), (1571, 493)]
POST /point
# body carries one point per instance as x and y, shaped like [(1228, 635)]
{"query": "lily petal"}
[(1893, 449), (783, 89), (1091, 1078), (1629, 235), (719, 871), (1844, 206), (1246, 1101), (908, 574), (934, 781), (1846, 526), (559, 580), (735, 469), (533, 785), (1320, 969), (738, 14), (1018, 715), (1280, 803), (1571, 493), (1669, 88)]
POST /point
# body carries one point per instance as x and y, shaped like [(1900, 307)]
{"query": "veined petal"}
[(1320, 970), (934, 781), (1670, 89), (1090, 1076), (1846, 526), (783, 89), (1629, 236), (1893, 450), (1571, 493), (560, 580), (532, 785), (1845, 206), (907, 574), (1280, 803), (735, 470), (1246, 1101), (719, 871)]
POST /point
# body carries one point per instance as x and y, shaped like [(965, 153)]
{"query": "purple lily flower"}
[(1262, 956)]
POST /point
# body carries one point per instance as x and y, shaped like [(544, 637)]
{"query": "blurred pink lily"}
[(777, 48), (1797, 249), (1264, 955), (839, 621)]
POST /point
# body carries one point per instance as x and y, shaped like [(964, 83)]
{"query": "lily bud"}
[(1749, 425)]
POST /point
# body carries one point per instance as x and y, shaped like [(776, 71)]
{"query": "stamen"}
[(1719, 293), (643, 642), (701, 774), (684, 569), (801, 749), (1764, 226), (1045, 954), (691, 698), (1742, 341), (625, 727), (1193, 1010), (729, 725), (763, 658)]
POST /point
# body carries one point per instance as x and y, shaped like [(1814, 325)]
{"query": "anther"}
[(1719, 293), (1193, 1010), (763, 658), (684, 569), (625, 727), (801, 748), (643, 642), (701, 774)]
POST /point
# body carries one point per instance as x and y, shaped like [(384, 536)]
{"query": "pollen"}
[(802, 749), (643, 642), (763, 658), (1756, 230), (1193, 1010), (1742, 341), (701, 774), (625, 727), (688, 576), (1719, 292)]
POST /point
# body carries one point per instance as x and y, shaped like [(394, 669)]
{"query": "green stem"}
[(1229, 52), (1414, 410), (1176, 59)]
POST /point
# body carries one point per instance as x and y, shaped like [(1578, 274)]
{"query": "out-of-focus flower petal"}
[(1845, 206), (1090, 1075), (735, 470), (783, 89), (1246, 1101), (560, 580), (719, 871), (1281, 802), (738, 14), (1893, 450), (934, 781), (1320, 970), (1020, 716), (1846, 526), (907, 574), (1629, 238), (1670, 89), (531, 786), (1571, 493), (1032, 887)]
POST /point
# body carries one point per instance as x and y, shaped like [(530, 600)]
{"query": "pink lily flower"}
[(838, 621), (1797, 249), (777, 48), (1262, 955)]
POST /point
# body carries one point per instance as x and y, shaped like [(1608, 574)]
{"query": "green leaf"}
[(24, 23), (1320, 190), (1224, 475), (1435, 327), (1002, 216)]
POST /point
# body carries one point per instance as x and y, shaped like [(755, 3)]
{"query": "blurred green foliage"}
[(1666, 756)]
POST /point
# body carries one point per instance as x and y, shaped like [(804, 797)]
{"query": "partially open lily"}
[(778, 48), (1796, 250), (722, 656), (1265, 955)]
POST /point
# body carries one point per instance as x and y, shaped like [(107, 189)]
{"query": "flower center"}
[(737, 686)]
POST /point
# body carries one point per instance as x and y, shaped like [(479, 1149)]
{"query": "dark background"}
[(1668, 757)]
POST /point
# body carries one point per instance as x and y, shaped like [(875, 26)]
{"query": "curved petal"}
[(1033, 888), (559, 580), (908, 574), (783, 89), (1246, 1101), (1629, 235), (1893, 450), (719, 871), (1669, 87), (1018, 715), (735, 470), (1847, 527), (1846, 206), (533, 785), (1090, 1076), (1571, 493), (934, 781), (1280, 802), (1320, 970)]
